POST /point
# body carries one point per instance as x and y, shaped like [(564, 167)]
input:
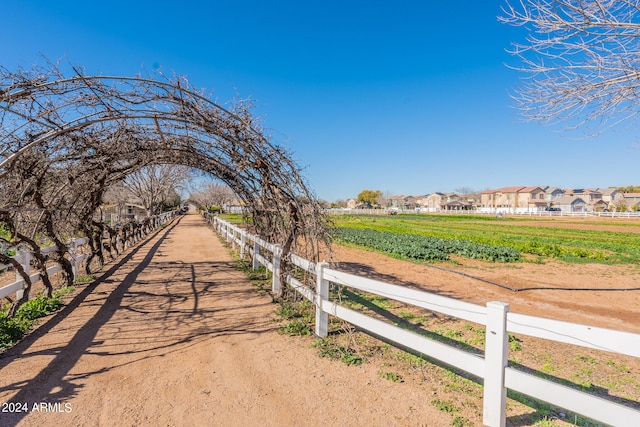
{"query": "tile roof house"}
[(520, 198)]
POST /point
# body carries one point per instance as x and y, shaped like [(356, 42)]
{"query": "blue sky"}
[(406, 97)]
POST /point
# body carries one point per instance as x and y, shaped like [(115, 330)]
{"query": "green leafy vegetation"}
[(14, 328), (445, 406), (85, 279), (461, 422), (424, 248), (571, 242), (295, 328), (391, 376), (329, 348)]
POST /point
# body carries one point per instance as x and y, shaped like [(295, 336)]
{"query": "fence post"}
[(243, 242), (24, 258), (322, 294), (495, 361), (256, 251), (276, 285), (73, 252)]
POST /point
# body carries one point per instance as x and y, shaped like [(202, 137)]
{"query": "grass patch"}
[(327, 348), (445, 406), (295, 328), (85, 279), (14, 328), (391, 376), (461, 422)]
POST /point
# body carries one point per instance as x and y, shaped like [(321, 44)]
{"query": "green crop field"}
[(494, 239)]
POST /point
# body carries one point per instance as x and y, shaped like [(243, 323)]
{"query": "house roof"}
[(584, 191), (568, 200), (550, 190), (608, 191), (458, 203), (631, 195), (529, 189), (503, 190), (509, 189)]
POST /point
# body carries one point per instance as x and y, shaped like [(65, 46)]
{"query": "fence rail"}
[(24, 257), (492, 367)]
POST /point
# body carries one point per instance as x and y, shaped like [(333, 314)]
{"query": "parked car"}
[(550, 209)]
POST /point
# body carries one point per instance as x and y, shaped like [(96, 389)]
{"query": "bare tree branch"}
[(581, 58), (65, 140)]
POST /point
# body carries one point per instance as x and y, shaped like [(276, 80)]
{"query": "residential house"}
[(403, 202), (123, 212), (421, 201), (521, 199), (355, 204), (435, 201), (234, 206), (458, 205), (597, 206), (632, 201), (613, 197), (552, 193), (532, 198), (570, 203)]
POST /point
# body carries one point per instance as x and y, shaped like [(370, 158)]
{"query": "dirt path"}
[(173, 335)]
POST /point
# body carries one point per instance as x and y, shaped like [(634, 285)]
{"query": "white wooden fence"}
[(24, 258), (493, 367)]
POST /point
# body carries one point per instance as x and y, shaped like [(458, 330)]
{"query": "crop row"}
[(424, 247), (572, 245)]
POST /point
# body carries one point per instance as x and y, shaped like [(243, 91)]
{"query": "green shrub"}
[(334, 351), (295, 328), (38, 307), (12, 329)]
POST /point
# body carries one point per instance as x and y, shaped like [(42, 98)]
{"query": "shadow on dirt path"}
[(174, 334), (39, 388)]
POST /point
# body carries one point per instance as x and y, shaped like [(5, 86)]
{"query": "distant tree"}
[(582, 59), (156, 185), (629, 189), (370, 196), (339, 204), (212, 194), (622, 206), (463, 190)]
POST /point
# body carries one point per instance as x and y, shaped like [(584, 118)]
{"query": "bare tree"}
[(155, 185), (213, 194), (582, 60)]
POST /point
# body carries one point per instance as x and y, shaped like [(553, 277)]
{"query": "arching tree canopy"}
[(65, 138)]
